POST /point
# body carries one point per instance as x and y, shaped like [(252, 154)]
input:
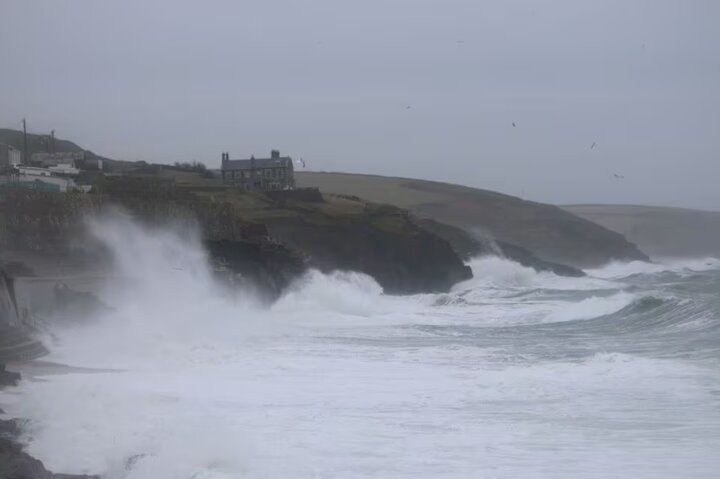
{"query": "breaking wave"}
[(611, 375)]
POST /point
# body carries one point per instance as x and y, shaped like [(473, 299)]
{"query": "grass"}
[(379, 189)]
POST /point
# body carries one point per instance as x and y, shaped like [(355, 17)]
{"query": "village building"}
[(37, 179), (264, 174), (9, 156)]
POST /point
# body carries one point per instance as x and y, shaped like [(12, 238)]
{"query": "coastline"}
[(15, 462)]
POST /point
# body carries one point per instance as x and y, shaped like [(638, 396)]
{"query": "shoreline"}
[(15, 462)]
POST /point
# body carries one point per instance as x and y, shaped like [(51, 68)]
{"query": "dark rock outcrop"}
[(16, 344), (468, 246), (267, 266), (17, 464), (8, 378), (405, 261), (9, 428), (526, 258)]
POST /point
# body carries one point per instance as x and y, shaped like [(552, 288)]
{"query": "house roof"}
[(280, 162)]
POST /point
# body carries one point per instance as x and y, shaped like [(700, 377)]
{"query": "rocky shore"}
[(15, 463), (263, 240)]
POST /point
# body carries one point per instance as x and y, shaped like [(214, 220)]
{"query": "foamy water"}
[(512, 374)]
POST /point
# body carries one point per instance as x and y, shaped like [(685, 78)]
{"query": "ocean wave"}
[(593, 307), (618, 270), (505, 276)]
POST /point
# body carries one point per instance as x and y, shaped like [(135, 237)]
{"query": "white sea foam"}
[(338, 380), (619, 270), (504, 276)]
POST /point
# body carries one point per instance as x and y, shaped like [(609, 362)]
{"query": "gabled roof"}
[(280, 162)]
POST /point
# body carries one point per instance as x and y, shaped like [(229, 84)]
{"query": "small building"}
[(64, 169), (36, 179), (9, 156), (264, 174)]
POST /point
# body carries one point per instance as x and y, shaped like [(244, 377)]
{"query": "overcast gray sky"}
[(331, 81)]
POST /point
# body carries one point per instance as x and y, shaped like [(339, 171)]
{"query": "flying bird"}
[(408, 107), (593, 145), (618, 177), (513, 124)]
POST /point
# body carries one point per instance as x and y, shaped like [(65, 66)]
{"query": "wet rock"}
[(387, 245), (8, 378), (267, 266), (16, 464), (9, 428), (468, 246)]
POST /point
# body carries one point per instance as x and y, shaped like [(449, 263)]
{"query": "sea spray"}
[(531, 375)]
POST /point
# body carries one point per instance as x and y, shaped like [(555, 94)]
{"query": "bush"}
[(195, 166)]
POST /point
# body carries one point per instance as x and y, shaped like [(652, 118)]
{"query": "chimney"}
[(275, 154)]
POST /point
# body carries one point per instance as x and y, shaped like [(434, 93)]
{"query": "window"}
[(268, 173)]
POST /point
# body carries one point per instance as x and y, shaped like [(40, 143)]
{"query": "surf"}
[(185, 378)]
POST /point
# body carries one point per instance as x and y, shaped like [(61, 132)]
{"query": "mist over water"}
[(512, 374)]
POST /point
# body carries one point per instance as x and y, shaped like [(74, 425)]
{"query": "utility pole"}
[(25, 151), (52, 134)]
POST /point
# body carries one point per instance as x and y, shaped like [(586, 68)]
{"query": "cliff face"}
[(406, 261), (48, 232), (334, 234), (550, 232), (469, 246)]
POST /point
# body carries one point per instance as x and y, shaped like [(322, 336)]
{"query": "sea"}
[(513, 374)]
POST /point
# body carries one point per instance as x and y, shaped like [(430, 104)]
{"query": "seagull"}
[(618, 177), (408, 107), (513, 124), (460, 41), (593, 145)]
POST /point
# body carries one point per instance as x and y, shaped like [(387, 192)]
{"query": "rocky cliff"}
[(402, 257), (334, 233), (468, 246)]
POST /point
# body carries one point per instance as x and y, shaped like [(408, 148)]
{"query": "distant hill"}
[(550, 232), (659, 231)]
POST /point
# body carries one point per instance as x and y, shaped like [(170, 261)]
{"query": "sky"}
[(562, 101)]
